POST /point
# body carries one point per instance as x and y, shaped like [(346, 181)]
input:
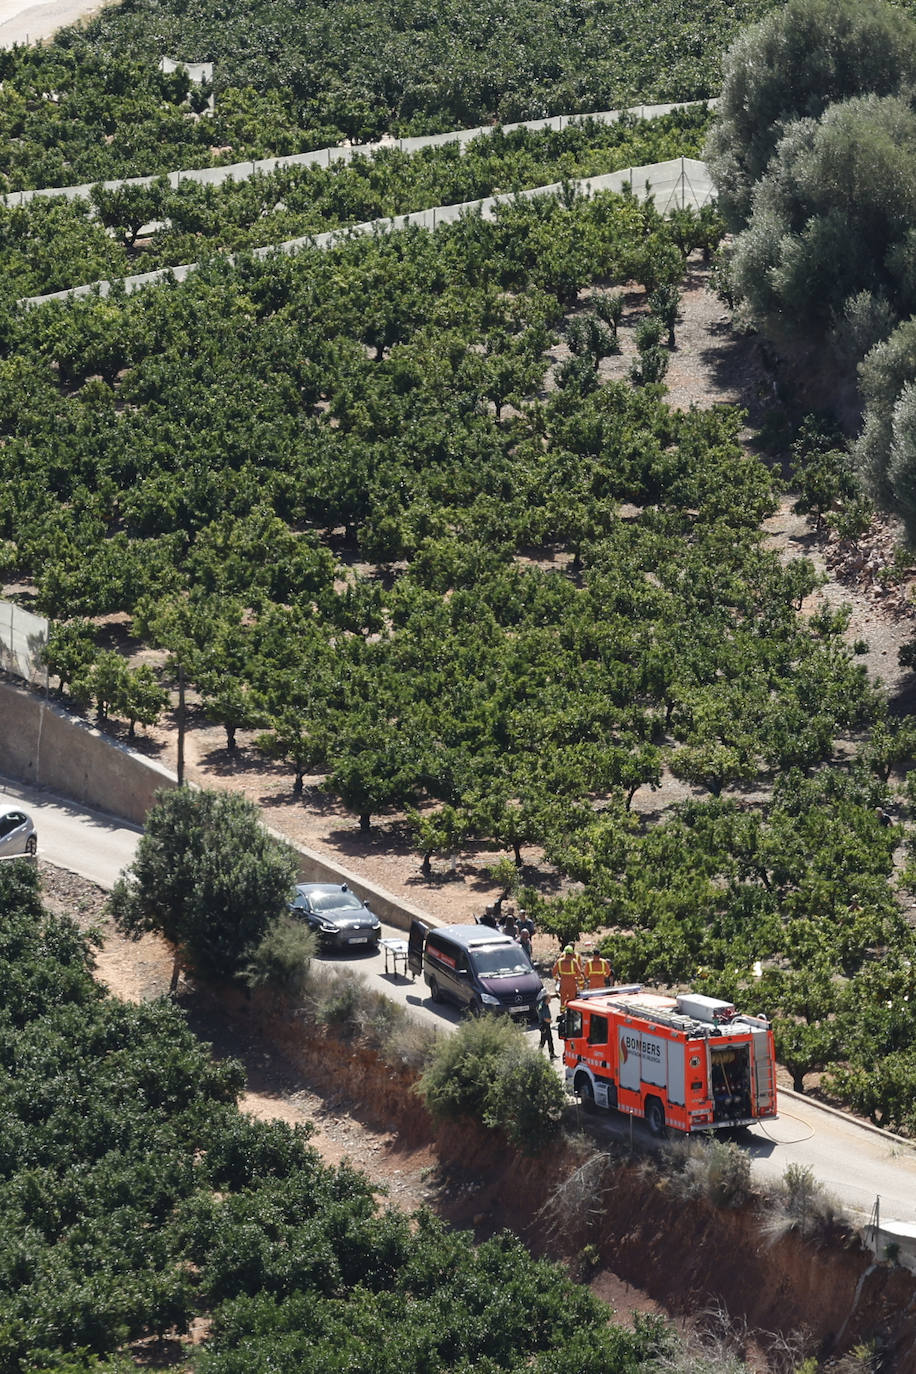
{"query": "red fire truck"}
[(689, 1062)]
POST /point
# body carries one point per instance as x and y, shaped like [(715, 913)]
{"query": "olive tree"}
[(829, 221), (886, 448), (793, 64), (209, 877)]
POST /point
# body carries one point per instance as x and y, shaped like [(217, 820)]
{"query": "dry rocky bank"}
[(624, 1219)]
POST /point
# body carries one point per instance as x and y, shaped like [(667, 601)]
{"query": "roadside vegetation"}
[(487, 1071)]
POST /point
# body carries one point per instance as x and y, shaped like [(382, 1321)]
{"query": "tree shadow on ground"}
[(241, 763), (742, 367), (390, 837)]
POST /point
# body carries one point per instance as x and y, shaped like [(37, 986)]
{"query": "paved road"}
[(25, 23), (86, 842), (853, 1162)]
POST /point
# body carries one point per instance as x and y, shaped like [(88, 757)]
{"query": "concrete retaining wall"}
[(43, 746), (40, 744)]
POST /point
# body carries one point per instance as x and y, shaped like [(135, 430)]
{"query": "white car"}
[(17, 833)]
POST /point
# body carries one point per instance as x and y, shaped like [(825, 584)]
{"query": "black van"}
[(474, 967)]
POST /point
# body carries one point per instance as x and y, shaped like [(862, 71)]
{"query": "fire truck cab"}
[(689, 1062)]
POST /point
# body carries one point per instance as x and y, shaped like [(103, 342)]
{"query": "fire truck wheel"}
[(655, 1116), (434, 992), (585, 1092)]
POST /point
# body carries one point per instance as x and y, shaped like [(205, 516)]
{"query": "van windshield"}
[(500, 961)]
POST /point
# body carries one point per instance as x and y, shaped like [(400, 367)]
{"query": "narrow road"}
[(86, 842), (21, 23), (854, 1162)]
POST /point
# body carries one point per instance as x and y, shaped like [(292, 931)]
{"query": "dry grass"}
[(715, 1169), (798, 1202)]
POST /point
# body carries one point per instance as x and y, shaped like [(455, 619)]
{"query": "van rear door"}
[(416, 943)]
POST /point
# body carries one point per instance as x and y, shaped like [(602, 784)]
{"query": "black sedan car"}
[(338, 917)]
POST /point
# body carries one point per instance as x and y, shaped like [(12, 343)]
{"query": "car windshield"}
[(334, 901), (500, 961)]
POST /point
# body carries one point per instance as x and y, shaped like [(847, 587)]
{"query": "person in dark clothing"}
[(544, 1023)]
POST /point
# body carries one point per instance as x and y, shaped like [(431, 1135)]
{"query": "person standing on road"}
[(567, 974), (598, 971), (524, 940), (544, 1024)]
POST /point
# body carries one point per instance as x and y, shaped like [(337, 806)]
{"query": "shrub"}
[(715, 1169), (282, 959), (649, 332), (342, 1001), (665, 304), (486, 1070), (799, 1203), (650, 365)]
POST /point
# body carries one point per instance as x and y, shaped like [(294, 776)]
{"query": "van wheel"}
[(585, 1092), (655, 1116), (434, 990)]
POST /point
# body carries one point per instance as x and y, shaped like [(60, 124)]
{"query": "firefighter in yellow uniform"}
[(567, 974), (597, 971)]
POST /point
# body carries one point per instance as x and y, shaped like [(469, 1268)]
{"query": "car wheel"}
[(585, 1092), (655, 1116), (434, 990), (31, 844)]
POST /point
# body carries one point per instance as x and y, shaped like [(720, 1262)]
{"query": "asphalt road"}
[(86, 842), (21, 23), (855, 1163)]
